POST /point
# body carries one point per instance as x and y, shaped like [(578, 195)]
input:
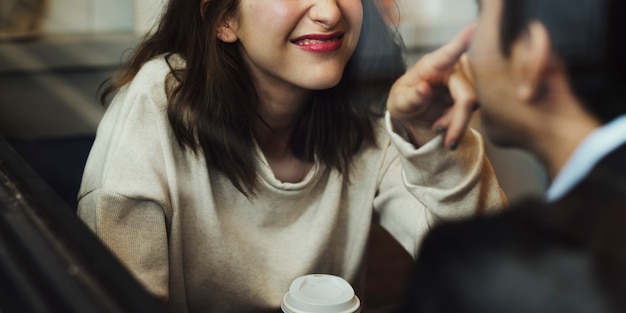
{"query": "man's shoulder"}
[(494, 229), (534, 251), (526, 234)]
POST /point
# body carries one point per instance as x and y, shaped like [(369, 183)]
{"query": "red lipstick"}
[(320, 43)]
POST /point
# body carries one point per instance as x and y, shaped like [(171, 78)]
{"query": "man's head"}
[(533, 55)]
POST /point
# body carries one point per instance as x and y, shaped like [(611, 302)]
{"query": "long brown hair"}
[(212, 100)]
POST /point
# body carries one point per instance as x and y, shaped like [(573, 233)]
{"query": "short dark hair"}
[(589, 36)]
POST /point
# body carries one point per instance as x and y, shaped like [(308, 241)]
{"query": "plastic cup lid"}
[(320, 293)]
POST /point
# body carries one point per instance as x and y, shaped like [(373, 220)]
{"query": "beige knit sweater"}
[(192, 239)]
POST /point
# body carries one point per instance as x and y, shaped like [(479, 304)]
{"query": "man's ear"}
[(531, 57), (225, 31)]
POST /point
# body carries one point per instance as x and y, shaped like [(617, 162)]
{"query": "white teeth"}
[(307, 42)]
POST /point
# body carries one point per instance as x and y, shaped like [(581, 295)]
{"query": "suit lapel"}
[(594, 205)]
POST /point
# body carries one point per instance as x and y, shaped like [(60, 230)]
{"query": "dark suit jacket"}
[(566, 256)]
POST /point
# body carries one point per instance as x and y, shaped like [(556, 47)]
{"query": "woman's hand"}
[(436, 94)]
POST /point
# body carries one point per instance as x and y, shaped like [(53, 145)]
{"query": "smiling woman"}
[(293, 55), (247, 143)]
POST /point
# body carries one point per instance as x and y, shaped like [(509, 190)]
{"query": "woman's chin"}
[(323, 83)]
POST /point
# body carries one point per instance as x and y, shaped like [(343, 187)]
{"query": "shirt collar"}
[(594, 147)]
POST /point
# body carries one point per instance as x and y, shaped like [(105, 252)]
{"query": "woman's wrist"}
[(419, 133)]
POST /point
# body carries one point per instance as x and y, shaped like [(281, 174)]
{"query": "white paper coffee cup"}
[(320, 293)]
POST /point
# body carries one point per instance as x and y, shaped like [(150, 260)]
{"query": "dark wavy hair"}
[(212, 100), (590, 38)]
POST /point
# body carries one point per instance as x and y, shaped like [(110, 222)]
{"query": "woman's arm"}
[(441, 165), (135, 231), (125, 195), (421, 187)]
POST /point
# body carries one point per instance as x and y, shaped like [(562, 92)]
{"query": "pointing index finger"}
[(444, 58)]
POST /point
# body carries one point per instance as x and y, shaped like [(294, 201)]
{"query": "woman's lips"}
[(321, 43)]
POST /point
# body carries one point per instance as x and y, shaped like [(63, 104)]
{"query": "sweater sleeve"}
[(125, 193), (423, 186), (135, 232)]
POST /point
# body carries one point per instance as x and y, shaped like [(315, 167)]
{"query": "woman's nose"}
[(325, 12)]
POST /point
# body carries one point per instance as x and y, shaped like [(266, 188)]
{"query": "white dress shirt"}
[(596, 146)]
